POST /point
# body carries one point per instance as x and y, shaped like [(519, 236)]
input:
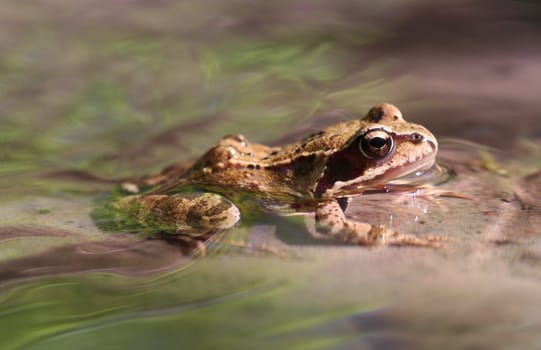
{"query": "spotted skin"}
[(317, 174), (193, 215)]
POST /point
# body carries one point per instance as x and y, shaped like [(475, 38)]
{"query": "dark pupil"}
[(378, 142)]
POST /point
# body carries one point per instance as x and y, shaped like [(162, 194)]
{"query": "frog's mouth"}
[(411, 170), (434, 174), (411, 174)]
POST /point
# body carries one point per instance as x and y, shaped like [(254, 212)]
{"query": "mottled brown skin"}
[(316, 174)]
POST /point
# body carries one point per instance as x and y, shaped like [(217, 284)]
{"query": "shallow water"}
[(94, 91)]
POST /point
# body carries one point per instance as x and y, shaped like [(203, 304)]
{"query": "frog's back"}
[(234, 168), (287, 173)]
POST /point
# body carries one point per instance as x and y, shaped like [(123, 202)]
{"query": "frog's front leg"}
[(185, 214), (331, 221)]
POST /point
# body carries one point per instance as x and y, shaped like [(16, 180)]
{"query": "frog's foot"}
[(193, 246), (331, 221), (251, 248), (384, 236), (134, 186), (194, 215)]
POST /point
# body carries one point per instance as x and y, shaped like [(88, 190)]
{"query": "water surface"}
[(97, 90)]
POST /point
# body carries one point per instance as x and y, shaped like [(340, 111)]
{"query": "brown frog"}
[(318, 174)]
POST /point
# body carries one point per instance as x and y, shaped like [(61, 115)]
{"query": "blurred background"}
[(83, 82), (94, 90)]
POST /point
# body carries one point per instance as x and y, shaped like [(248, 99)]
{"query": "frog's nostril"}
[(417, 138)]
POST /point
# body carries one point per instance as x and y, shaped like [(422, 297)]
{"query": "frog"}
[(319, 174)]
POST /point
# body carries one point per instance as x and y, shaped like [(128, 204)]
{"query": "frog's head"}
[(385, 147)]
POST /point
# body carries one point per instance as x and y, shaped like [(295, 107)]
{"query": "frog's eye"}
[(376, 144)]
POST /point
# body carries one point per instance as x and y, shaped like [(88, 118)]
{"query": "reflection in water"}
[(245, 302), (116, 256)]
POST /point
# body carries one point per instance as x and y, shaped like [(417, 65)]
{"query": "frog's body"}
[(316, 174)]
